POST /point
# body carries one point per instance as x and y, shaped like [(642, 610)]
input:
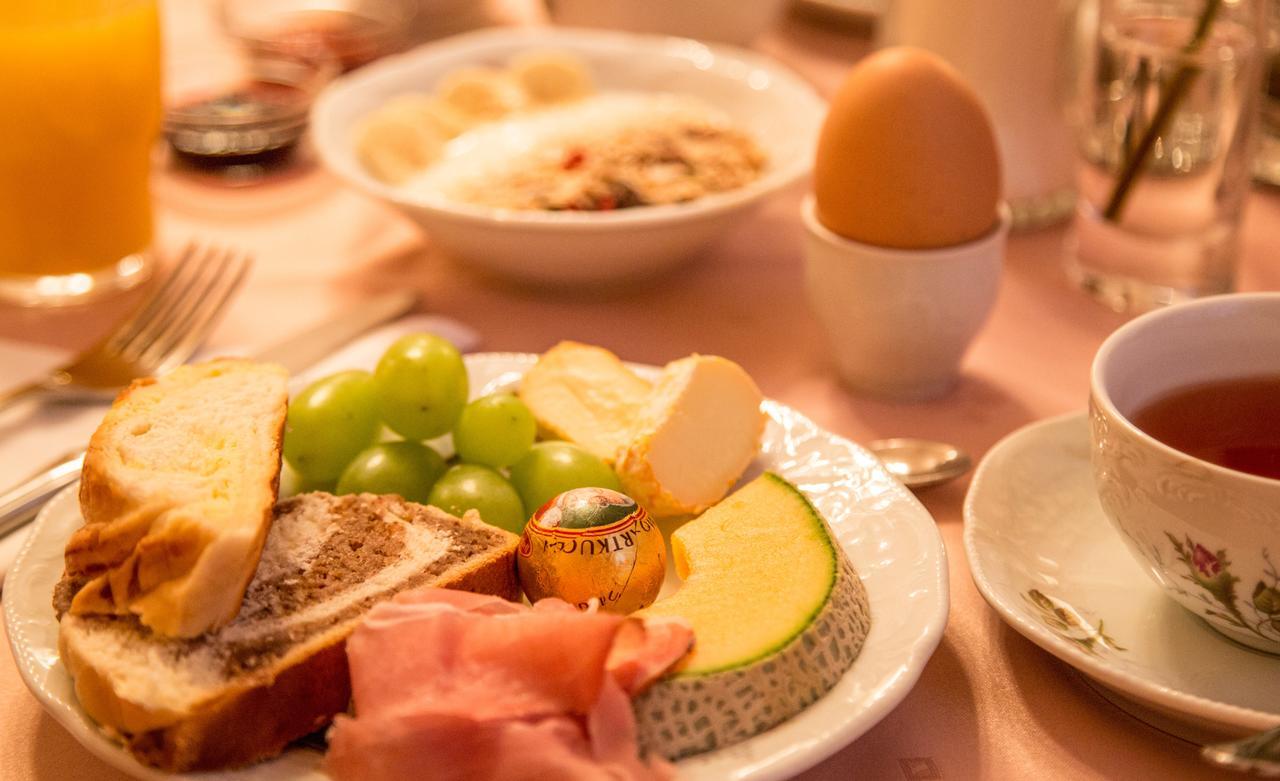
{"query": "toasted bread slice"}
[(586, 395), (176, 494), (279, 670)]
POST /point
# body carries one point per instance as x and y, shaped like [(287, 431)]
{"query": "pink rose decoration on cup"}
[(1205, 561)]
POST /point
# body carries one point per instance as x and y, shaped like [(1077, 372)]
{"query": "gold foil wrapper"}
[(621, 564)]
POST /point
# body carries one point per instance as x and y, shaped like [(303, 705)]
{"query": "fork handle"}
[(13, 395)]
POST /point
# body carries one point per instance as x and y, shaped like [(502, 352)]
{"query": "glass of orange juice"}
[(80, 93)]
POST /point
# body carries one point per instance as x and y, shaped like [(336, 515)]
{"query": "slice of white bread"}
[(176, 494), (586, 395), (279, 670)]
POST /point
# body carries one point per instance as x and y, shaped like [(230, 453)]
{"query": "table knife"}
[(20, 504)]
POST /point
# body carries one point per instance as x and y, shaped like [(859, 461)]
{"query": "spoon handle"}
[(1258, 754)]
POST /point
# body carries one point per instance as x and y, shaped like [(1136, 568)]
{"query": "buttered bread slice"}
[(176, 494), (279, 670)]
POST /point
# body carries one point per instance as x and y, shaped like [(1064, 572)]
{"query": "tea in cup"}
[(1184, 414)]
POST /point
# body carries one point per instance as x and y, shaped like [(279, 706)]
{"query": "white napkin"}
[(33, 435)]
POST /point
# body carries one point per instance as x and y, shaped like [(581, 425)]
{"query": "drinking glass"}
[(81, 97), (1266, 163), (1168, 100)]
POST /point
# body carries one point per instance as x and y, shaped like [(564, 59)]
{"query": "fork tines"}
[(181, 312)]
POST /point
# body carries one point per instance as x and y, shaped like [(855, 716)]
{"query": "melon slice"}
[(778, 615)]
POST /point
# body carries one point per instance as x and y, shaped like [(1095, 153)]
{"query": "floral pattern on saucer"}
[(1046, 558), (1067, 622), (1210, 571)]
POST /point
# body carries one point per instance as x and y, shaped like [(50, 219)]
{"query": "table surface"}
[(990, 704)]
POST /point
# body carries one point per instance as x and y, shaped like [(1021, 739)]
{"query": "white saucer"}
[(1046, 558)]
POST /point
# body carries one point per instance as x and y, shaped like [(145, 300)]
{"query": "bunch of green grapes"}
[(335, 438)]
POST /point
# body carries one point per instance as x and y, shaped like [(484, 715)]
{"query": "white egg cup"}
[(899, 320)]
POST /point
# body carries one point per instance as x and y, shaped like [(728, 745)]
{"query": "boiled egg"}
[(907, 155)]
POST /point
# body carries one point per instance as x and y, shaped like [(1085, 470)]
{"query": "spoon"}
[(1258, 754), (920, 463)]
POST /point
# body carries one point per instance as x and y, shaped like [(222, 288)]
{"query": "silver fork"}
[(162, 333)]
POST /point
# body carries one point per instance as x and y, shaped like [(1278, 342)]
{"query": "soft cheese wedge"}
[(778, 615), (176, 494), (698, 431), (585, 395)]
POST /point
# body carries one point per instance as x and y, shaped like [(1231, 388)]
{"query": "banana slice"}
[(479, 94), (394, 145), (548, 77), (429, 111)]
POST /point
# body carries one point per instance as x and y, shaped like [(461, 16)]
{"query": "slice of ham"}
[(470, 686)]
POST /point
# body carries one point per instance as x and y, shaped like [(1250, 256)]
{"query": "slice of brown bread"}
[(279, 670), (176, 494)]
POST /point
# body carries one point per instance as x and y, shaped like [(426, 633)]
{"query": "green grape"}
[(495, 430), (422, 386), (468, 487), (551, 468), (292, 483), (406, 468), (329, 423)]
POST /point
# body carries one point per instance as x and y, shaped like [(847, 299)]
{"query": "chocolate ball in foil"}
[(593, 542)]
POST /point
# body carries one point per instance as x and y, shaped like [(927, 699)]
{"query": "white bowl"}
[(779, 109)]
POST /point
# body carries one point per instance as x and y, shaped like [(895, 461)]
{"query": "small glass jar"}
[(243, 116)]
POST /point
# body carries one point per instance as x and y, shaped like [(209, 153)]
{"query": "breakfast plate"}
[(890, 538), (1044, 555)]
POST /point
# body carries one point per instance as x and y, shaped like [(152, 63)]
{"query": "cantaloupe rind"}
[(728, 690), (689, 714)]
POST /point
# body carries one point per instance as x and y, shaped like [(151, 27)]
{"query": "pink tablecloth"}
[(990, 704)]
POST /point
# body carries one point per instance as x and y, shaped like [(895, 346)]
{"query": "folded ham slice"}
[(470, 686)]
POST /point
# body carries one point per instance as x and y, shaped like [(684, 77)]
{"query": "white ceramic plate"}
[(888, 535), (779, 109), (1048, 560)]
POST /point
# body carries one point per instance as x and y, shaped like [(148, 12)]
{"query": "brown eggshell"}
[(907, 155)]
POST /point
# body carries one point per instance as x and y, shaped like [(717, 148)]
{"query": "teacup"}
[(900, 320), (1209, 535)]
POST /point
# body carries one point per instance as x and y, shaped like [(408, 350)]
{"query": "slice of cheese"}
[(778, 615), (698, 432), (585, 395)]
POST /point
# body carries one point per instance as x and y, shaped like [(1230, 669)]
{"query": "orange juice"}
[(79, 112)]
